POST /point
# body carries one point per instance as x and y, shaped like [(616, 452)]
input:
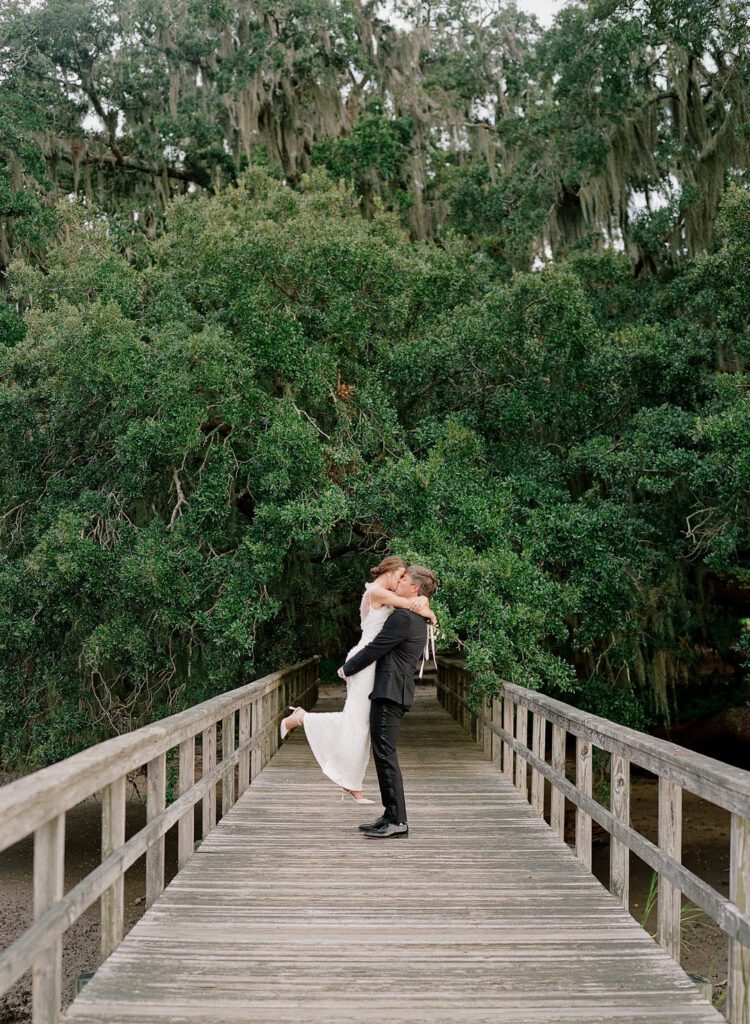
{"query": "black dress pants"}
[(385, 725)]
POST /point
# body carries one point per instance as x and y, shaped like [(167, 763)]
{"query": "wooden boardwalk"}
[(286, 913)]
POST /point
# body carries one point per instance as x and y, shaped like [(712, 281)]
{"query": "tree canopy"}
[(310, 288)]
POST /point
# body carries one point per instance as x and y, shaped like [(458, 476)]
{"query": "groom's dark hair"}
[(423, 578)]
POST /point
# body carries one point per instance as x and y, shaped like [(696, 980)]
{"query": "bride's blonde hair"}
[(388, 564)]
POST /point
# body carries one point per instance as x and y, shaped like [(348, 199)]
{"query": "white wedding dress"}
[(340, 740)]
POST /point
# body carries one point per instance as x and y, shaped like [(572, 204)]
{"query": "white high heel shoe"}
[(292, 721), (356, 799)]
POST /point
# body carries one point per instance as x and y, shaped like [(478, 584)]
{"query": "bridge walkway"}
[(286, 913)]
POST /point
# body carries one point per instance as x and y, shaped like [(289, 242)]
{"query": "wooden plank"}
[(156, 793), (29, 802), (557, 802), (522, 725), (208, 755), (113, 837), (256, 760), (538, 730), (583, 784), (550, 945), (49, 874), (670, 841), (738, 997), (227, 748), (619, 855), (186, 826)]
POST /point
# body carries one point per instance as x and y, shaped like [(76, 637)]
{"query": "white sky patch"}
[(545, 10)]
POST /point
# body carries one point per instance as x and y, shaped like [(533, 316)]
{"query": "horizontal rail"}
[(30, 802), (721, 784)]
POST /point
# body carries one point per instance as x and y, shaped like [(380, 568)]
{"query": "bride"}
[(340, 740)]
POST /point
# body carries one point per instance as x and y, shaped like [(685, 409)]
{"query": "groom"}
[(397, 648)]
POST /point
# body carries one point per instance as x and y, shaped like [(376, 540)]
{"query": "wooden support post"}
[(113, 837), (619, 855), (557, 802), (49, 874), (227, 749), (538, 737), (522, 726), (256, 761), (244, 764), (186, 825), (508, 727), (208, 750), (738, 998), (584, 775), (156, 799), (497, 743), (670, 841)]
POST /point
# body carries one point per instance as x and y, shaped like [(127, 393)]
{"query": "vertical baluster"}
[(208, 750), (156, 796), (508, 727), (670, 841), (244, 769), (49, 873), (538, 737), (619, 855), (497, 743), (186, 824), (257, 725), (557, 801), (113, 837), (522, 725), (738, 999), (584, 773), (227, 749)]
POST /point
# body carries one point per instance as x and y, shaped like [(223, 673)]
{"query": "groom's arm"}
[(395, 630)]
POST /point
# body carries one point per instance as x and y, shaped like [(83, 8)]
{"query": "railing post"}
[(670, 841), (522, 726), (227, 749), (186, 824), (508, 727), (49, 874), (156, 799), (208, 760), (584, 775), (619, 855), (497, 743), (738, 999), (256, 762), (244, 763), (557, 799), (538, 737), (113, 836)]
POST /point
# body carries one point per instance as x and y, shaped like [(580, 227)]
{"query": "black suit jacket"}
[(397, 648)]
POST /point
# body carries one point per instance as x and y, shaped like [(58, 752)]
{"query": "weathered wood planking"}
[(286, 913)]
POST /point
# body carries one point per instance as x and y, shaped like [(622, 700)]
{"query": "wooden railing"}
[(245, 720), (502, 729)]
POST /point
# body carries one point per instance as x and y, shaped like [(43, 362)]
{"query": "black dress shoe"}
[(388, 831), (382, 820)]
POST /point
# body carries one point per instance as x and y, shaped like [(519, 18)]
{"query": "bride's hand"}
[(419, 604)]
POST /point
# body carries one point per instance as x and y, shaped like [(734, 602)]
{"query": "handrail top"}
[(29, 802), (707, 777)]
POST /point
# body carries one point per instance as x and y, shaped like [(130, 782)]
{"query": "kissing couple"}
[(397, 624)]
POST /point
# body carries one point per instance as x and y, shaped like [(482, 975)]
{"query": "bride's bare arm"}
[(421, 605)]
